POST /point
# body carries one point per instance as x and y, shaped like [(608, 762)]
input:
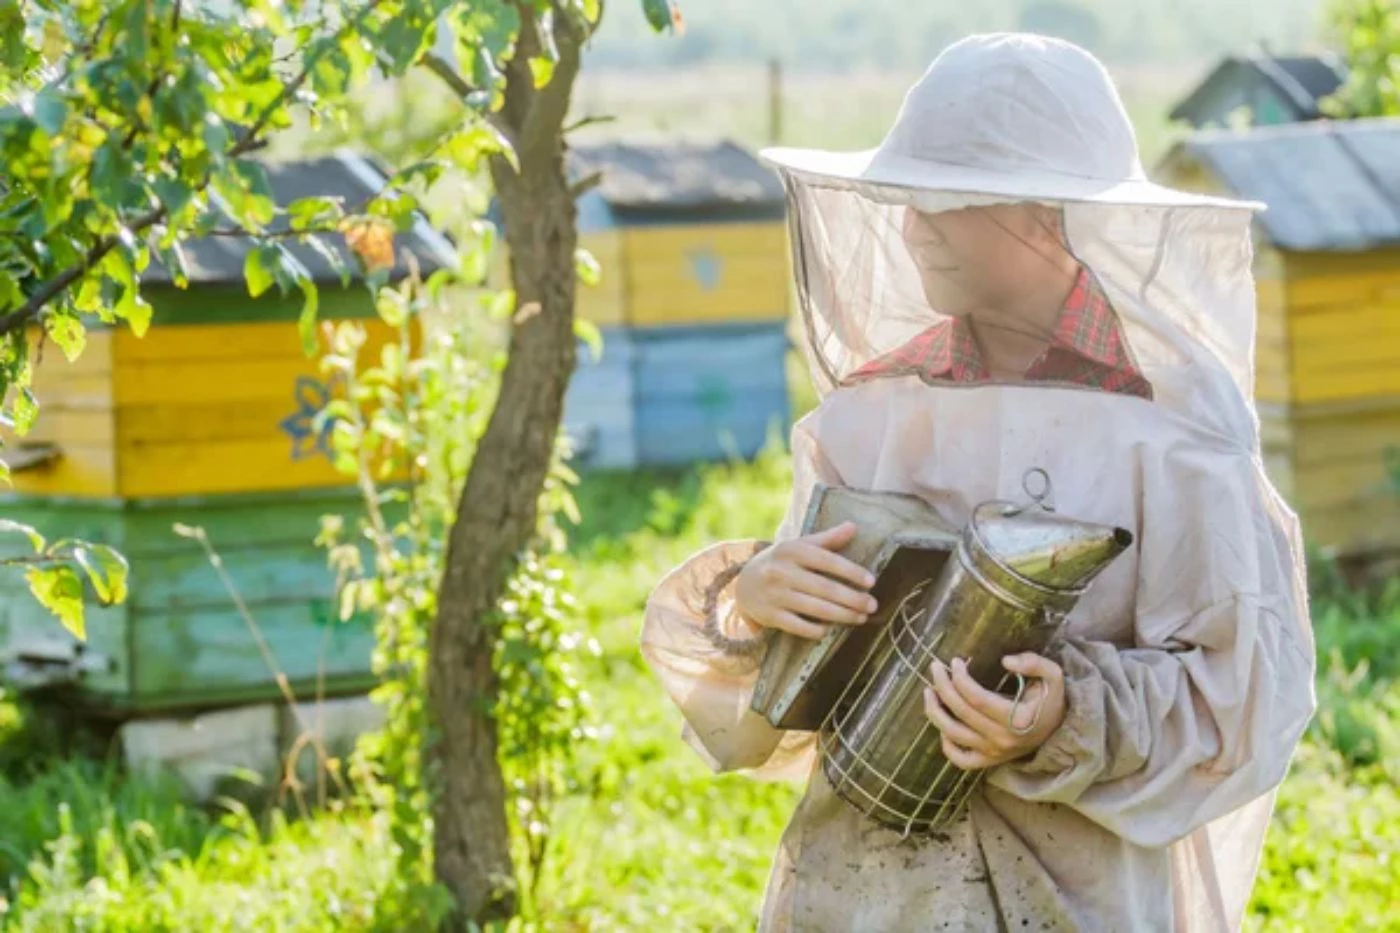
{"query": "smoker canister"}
[(1017, 571)]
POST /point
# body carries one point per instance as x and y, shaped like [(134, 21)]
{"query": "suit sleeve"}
[(707, 657), (1201, 715)]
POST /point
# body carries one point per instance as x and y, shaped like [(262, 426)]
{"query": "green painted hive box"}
[(206, 421)]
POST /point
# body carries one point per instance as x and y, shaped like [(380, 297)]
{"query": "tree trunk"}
[(497, 514)]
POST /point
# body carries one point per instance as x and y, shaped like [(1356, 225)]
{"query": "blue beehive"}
[(693, 305)]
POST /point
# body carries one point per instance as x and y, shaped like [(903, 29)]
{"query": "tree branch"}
[(35, 561), (444, 70), (587, 121), (584, 185), (551, 102), (269, 234), (13, 321), (464, 90), (519, 93)]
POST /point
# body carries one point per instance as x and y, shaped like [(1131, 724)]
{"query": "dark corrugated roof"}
[(1302, 82), (1328, 185), (1318, 76), (678, 175), (347, 177)]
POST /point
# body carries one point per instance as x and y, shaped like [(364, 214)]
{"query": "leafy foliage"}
[(1369, 34), (127, 128), (56, 573), (406, 433)]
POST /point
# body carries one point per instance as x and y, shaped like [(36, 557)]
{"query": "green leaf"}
[(392, 308), (67, 331), (485, 73), (400, 208), (110, 173), (314, 212), (662, 14), (475, 263), (569, 506), (331, 256), (259, 269), (542, 69), (12, 527), (26, 409), (289, 269), (135, 310), (306, 322), (548, 47), (589, 272), (337, 409), (50, 110), (173, 258), (428, 171), (173, 193), (106, 570), (592, 337), (478, 140), (116, 265), (349, 595), (261, 202), (401, 40), (217, 138), (59, 590), (332, 73)]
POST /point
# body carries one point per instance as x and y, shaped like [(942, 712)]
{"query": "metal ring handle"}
[(1045, 497), (1016, 703)]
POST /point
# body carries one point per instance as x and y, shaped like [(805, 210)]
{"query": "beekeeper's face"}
[(984, 257)]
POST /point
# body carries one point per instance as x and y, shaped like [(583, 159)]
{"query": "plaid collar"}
[(1088, 325), (1087, 348)]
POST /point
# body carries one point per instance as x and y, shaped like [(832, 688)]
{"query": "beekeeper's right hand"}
[(803, 584)]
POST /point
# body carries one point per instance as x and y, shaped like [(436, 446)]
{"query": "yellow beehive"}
[(208, 401), (685, 234), (189, 409), (692, 303), (207, 420), (1327, 267)]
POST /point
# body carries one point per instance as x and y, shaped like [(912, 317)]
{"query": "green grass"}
[(649, 839)]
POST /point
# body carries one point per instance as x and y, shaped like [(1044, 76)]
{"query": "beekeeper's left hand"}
[(982, 728)]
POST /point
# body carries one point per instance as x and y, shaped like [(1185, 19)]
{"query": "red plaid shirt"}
[(1087, 349)]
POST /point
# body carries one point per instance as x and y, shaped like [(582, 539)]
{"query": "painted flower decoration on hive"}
[(311, 396)]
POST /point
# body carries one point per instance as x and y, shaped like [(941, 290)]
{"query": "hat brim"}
[(893, 178)]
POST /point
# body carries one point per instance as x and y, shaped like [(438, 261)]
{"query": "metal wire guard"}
[(895, 804), (880, 751)]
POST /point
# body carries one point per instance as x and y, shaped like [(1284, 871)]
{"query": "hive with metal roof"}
[(1262, 90), (1327, 267), (208, 420), (692, 305)]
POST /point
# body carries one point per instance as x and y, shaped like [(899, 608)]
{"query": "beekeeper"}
[(998, 287)]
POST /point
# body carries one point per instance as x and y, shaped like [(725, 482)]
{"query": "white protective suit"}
[(1188, 665)]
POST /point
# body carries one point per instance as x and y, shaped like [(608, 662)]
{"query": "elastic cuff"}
[(720, 632)]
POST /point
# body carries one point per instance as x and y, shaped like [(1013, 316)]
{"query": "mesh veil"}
[(891, 243)]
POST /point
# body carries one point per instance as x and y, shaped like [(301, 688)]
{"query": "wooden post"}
[(775, 101)]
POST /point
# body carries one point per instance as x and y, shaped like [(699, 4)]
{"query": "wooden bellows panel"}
[(903, 542)]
